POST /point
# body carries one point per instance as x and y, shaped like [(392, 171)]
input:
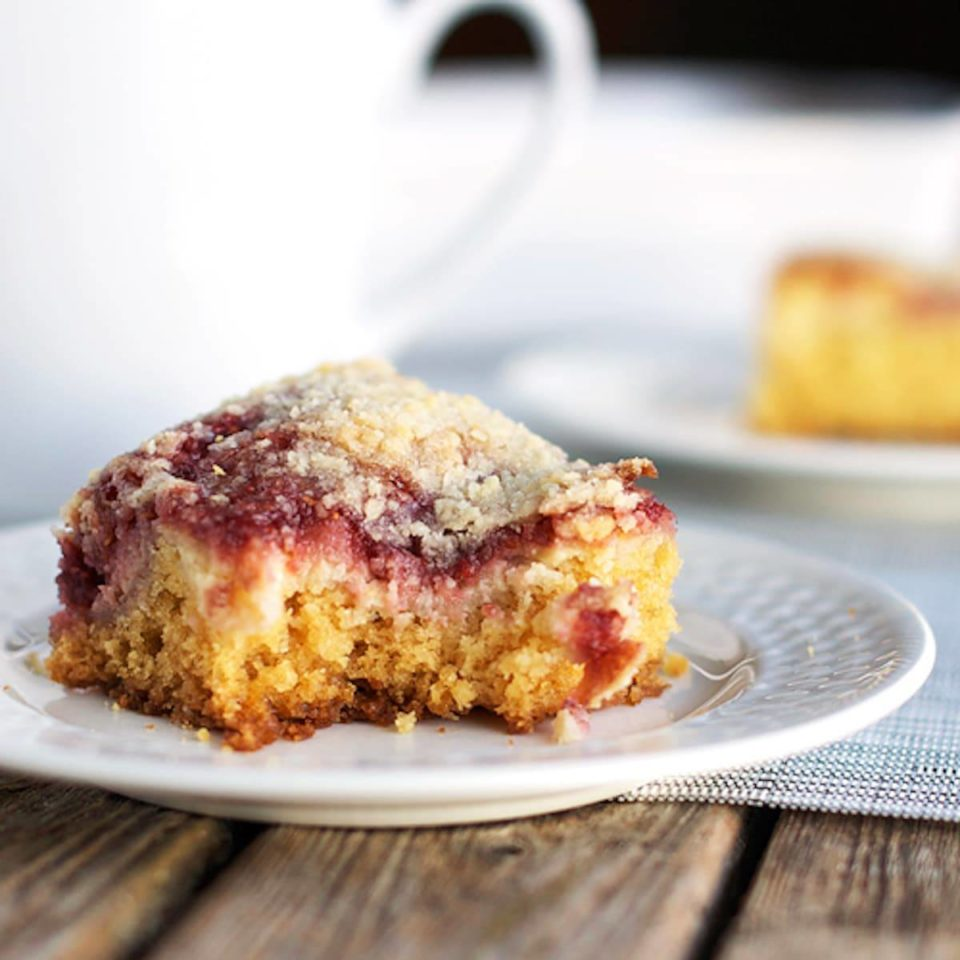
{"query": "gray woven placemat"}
[(908, 765)]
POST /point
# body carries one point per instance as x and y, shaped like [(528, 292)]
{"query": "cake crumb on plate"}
[(571, 724), (349, 545), (405, 722), (675, 665), (35, 663)]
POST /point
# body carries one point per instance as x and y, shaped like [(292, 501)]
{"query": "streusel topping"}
[(424, 470)]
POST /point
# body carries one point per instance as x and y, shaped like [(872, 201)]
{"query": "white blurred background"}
[(690, 183), (721, 137)]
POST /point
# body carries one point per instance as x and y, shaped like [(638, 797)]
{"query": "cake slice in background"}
[(856, 347), (349, 545)]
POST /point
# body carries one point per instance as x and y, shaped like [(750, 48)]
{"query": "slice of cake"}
[(350, 545), (860, 348)]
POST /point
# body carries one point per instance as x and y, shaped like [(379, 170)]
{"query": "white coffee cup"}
[(185, 205)]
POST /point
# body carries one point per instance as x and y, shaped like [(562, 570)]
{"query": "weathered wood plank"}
[(853, 887), (86, 874), (613, 880)]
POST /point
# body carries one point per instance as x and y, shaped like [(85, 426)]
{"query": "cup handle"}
[(562, 39)]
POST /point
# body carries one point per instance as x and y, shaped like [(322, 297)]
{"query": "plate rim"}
[(806, 457), (388, 787)]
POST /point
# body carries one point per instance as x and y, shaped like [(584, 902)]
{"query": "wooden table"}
[(86, 874)]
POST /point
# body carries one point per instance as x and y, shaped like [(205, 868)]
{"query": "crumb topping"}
[(430, 472)]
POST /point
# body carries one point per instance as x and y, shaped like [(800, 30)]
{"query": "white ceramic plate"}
[(684, 401), (788, 653)]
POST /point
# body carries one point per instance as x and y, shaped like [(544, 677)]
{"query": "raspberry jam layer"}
[(595, 638), (226, 482)]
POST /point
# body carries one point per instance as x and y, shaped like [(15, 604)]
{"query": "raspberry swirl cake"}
[(350, 545)]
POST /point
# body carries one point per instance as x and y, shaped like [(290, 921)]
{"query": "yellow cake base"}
[(329, 657)]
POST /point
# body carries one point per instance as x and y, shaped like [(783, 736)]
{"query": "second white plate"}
[(685, 402)]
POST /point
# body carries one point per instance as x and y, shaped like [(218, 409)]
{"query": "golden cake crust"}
[(913, 295)]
